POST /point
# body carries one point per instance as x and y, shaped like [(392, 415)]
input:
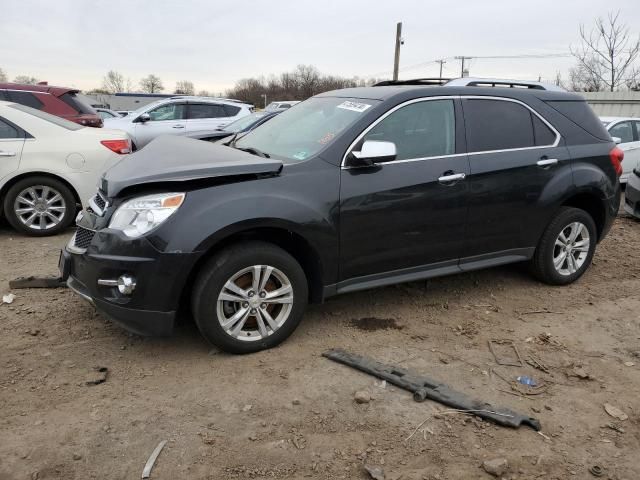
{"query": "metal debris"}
[(152, 459)]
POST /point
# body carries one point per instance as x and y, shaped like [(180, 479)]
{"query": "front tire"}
[(566, 247), (249, 297), (39, 206)]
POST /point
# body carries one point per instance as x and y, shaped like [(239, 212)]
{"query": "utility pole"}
[(264, 95), (399, 41), (462, 58), (441, 62)]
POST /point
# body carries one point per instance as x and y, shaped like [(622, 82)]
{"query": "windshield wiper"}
[(254, 151)]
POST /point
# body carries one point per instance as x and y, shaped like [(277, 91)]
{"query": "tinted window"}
[(78, 105), (3, 95), (581, 114), (25, 98), (61, 122), (8, 131), (231, 110), (497, 125), (637, 131), (169, 111), (542, 133), (624, 130), (422, 129), (206, 110)]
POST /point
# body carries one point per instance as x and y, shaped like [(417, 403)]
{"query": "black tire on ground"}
[(542, 265), (222, 267), (64, 191)]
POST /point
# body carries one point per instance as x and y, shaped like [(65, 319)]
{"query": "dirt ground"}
[(290, 413)]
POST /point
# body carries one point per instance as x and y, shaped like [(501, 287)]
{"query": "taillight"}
[(616, 155), (118, 146)]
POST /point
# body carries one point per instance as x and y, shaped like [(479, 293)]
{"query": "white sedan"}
[(49, 165), (626, 131)]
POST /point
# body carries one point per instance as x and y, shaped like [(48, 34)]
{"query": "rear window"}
[(78, 105), (231, 110), (25, 98), (61, 122), (580, 113)]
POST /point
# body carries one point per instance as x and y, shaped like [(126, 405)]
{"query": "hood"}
[(178, 159)]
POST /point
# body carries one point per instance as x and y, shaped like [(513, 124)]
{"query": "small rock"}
[(629, 364), (247, 407), (253, 438), (37, 423), (375, 472), (98, 376), (496, 467), (548, 407), (581, 373), (362, 396), (296, 401), (615, 412), (8, 298), (77, 456)]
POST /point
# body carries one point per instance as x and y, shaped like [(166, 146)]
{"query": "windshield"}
[(60, 122), (244, 122), (298, 133)]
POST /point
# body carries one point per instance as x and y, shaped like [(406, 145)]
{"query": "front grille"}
[(83, 237), (100, 202)]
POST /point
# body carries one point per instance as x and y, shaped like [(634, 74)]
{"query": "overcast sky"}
[(215, 43)]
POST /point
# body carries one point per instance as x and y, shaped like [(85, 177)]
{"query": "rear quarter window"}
[(60, 122), (580, 113), (231, 110)]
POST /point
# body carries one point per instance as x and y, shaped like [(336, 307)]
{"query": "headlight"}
[(140, 215)]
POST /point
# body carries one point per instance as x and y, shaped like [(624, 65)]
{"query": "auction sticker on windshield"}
[(354, 106)]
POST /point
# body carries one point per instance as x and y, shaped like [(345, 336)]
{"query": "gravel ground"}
[(290, 413)]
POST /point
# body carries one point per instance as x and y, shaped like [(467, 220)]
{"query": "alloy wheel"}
[(40, 207), (571, 248), (255, 302)]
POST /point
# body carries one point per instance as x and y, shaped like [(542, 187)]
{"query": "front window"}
[(622, 130), (298, 133), (169, 111), (244, 122)]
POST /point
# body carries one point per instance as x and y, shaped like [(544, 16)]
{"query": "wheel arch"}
[(287, 239), (591, 203), (13, 180)]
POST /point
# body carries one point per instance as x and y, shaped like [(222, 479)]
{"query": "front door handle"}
[(178, 126), (453, 177), (7, 154), (546, 162)]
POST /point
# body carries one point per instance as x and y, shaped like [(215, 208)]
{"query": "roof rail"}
[(498, 82), (413, 81)]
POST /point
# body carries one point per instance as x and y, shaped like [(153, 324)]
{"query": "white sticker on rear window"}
[(354, 106)]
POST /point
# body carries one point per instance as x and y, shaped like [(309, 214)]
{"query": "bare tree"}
[(113, 82), (151, 84), (184, 87), (25, 80), (3, 76), (204, 93), (606, 54)]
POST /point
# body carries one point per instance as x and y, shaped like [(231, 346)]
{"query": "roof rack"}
[(414, 81), (496, 82)]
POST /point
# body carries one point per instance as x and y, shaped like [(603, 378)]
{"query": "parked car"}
[(281, 106), (193, 117), (242, 125), (49, 165), (105, 113), (60, 101), (626, 131), (632, 194), (124, 113), (351, 189)]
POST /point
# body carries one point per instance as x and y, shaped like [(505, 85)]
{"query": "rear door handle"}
[(7, 154), (547, 162), (452, 177), (178, 126)]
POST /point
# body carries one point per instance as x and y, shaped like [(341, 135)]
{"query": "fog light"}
[(126, 284)]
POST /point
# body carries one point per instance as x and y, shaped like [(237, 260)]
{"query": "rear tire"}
[(566, 247), (39, 206), (251, 315)]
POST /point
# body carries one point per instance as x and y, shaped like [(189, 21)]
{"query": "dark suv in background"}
[(60, 101), (351, 189)]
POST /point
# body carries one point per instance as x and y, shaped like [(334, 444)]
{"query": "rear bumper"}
[(632, 195)]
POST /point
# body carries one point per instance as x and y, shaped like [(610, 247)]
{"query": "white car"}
[(195, 117), (281, 106), (627, 131), (49, 165)]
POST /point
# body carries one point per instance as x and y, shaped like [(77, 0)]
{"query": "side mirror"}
[(374, 151), (143, 118), (618, 140)]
